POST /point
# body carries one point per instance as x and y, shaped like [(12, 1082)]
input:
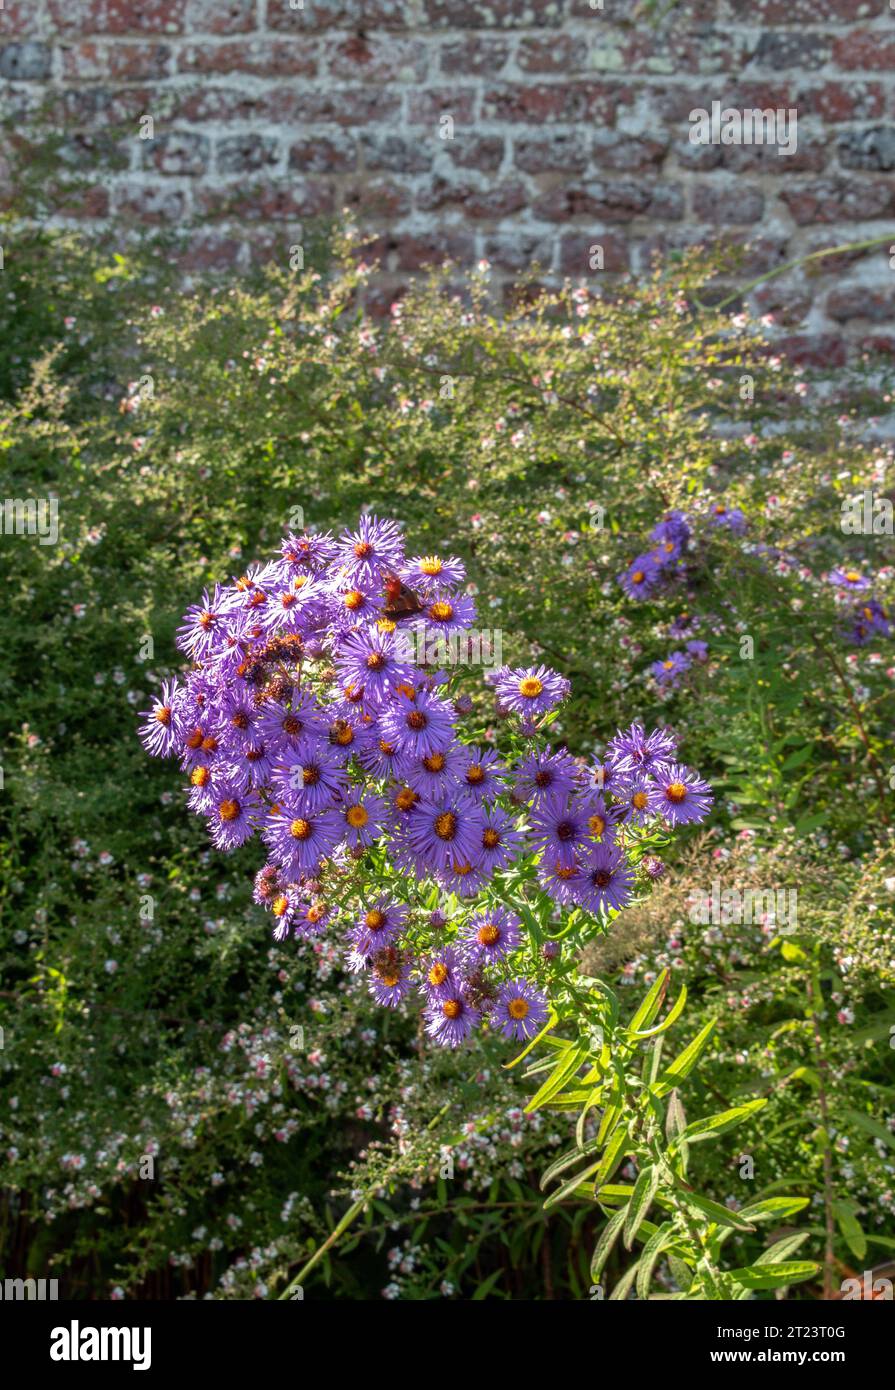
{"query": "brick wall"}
[(570, 128)]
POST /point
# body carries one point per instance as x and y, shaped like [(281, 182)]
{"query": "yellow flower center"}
[(441, 612), (354, 599), (638, 577), (375, 920), (435, 763), (446, 825), (406, 799), (363, 549), (475, 774), (488, 934), (316, 911), (310, 776), (387, 625), (280, 906), (292, 725), (300, 829), (640, 801), (676, 792), (530, 687), (163, 714), (852, 576), (375, 661), (199, 776), (229, 810), (452, 1008), (438, 974), (430, 564), (390, 978), (356, 816), (416, 720), (517, 1008), (596, 824)]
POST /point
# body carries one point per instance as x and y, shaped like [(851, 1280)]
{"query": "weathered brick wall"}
[(570, 128)]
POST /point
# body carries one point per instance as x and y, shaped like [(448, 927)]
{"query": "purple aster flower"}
[(680, 795), (450, 1021), (491, 935), (283, 908), (232, 816), (731, 517), (296, 606), (604, 879), (307, 553), (267, 885), (558, 829), (501, 841), (669, 671), (428, 573), (545, 774), (641, 752), (848, 579), (698, 650), (444, 616), (252, 766), (672, 530), (201, 624), (311, 917), (382, 759), (363, 817), (444, 829), (239, 721), (521, 1010), (434, 775), (681, 625), (311, 777), (482, 773), (298, 840), (601, 819), (637, 804), (530, 691), (464, 877), (161, 734), (441, 974), (285, 726), (641, 577), (390, 980), (354, 605), (378, 926), (871, 619), (557, 880), (375, 662), (373, 551), (419, 726), (653, 866), (348, 732)]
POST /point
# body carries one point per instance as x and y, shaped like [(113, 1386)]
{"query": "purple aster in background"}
[(390, 980), (465, 877), (286, 727), (669, 671), (419, 726), (848, 579), (252, 765), (311, 918), (521, 1010), (450, 1021), (382, 759), (672, 530), (698, 650), (871, 619), (267, 885), (491, 935), (604, 880), (653, 866), (161, 734), (545, 774), (681, 625), (731, 517), (680, 795), (530, 690), (239, 723), (371, 552), (641, 577), (428, 573)]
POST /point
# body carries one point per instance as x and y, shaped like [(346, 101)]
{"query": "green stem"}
[(791, 265)]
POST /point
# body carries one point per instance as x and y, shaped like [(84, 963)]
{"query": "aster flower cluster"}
[(868, 618), (315, 718), (650, 570)]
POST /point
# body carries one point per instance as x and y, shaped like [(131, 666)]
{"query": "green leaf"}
[(782, 1248), (775, 1276), (603, 1247), (653, 1248), (673, 1014), (850, 1227), (651, 1004), (684, 1063), (722, 1216), (551, 1023), (871, 1126), (770, 1208), (720, 1123), (568, 1064), (639, 1205), (487, 1285)]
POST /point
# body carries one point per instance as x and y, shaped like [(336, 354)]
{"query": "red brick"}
[(493, 14), (789, 305), (554, 53), (152, 204), (809, 158), (413, 253), (260, 57), (838, 200), (494, 201), (221, 16), (629, 154), (804, 11), (612, 201), (378, 198), (813, 350), (519, 251), (734, 205), (81, 203), (474, 55), (539, 154), (475, 151), (108, 17), (856, 302), (338, 14), (324, 154), (267, 202), (840, 101), (178, 152), (576, 250), (104, 107), (210, 251), (866, 51), (537, 102), (427, 107), (20, 19), (397, 153), (379, 58)]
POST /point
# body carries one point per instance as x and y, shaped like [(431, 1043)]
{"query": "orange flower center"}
[(375, 920), (446, 825), (438, 974), (452, 1008), (676, 792), (356, 816), (517, 1008), (530, 687), (490, 838), (300, 829), (163, 714), (229, 810), (488, 934)]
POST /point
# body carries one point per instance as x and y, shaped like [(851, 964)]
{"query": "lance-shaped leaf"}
[(661, 1237), (566, 1067), (650, 1006), (641, 1200), (673, 1014), (782, 1249), (551, 1023), (775, 1276), (724, 1120), (722, 1216), (605, 1243), (683, 1064), (566, 1161), (770, 1208)]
